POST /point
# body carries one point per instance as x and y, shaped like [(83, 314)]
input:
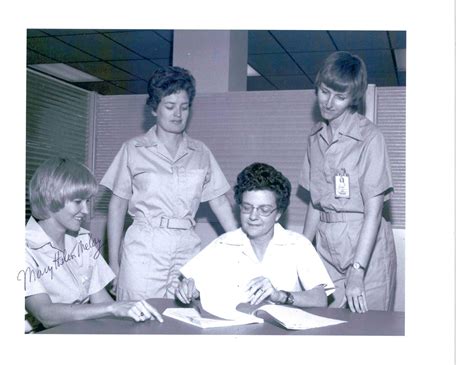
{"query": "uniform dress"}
[(358, 148), (163, 196), (290, 262), (68, 276)]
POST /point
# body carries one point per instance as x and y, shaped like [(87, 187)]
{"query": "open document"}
[(295, 318), (289, 317)]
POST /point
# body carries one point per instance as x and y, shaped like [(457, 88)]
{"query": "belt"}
[(334, 217), (169, 223)]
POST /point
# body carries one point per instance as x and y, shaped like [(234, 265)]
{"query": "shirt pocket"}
[(149, 181), (193, 184)]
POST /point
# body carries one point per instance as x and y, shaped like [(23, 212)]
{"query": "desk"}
[(374, 323)]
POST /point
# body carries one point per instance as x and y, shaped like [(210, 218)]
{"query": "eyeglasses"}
[(262, 211)]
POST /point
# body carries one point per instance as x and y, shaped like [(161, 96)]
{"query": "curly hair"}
[(260, 176), (56, 181), (170, 80), (343, 71)]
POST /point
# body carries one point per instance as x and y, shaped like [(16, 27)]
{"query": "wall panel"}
[(57, 122), (244, 127)]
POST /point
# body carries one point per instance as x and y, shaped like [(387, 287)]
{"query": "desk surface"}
[(373, 323)]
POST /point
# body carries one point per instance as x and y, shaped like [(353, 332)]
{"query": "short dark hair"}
[(56, 181), (167, 81), (260, 176), (343, 71)]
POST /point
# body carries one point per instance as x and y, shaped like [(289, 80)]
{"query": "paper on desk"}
[(297, 319), (192, 316), (221, 299)]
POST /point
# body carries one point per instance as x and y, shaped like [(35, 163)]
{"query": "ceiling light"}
[(64, 72), (251, 71)]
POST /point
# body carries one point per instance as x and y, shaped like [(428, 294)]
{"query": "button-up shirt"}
[(290, 262), (67, 276), (157, 184), (358, 149)]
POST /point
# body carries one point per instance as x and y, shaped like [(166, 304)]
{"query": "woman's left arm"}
[(223, 211), (355, 290), (261, 288), (315, 297)]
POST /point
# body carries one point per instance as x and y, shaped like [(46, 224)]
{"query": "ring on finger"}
[(142, 314)]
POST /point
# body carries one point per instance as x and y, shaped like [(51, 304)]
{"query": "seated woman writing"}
[(65, 275), (278, 265)]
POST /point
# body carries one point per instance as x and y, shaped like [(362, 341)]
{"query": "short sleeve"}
[(215, 183), (375, 176), (304, 179), (311, 270), (118, 177), (30, 276), (102, 274)]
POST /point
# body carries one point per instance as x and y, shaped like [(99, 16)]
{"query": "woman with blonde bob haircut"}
[(347, 173), (65, 275)]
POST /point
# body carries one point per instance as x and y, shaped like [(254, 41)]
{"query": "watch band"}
[(290, 299)]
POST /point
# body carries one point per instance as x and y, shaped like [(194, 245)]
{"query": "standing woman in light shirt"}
[(65, 275), (347, 172), (161, 178)]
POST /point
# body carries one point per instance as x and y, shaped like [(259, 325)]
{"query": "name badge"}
[(341, 185)]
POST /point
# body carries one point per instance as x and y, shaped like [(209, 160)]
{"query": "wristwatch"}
[(290, 299), (356, 265)]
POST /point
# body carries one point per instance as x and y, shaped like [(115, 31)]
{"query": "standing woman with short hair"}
[(161, 178), (347, 172)]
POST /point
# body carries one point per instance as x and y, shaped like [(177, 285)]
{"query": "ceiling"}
[(286, 60)]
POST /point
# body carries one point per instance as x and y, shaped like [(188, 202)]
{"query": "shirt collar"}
[(349, 127), (279, 236), (36, 237), (150, 139), (240, 238)]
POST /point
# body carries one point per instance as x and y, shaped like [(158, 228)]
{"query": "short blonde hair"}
[(343, 71), (56, 181)]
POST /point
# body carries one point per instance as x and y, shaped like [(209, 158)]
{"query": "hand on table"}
[(139, 311), (186, 291), (355, 291)]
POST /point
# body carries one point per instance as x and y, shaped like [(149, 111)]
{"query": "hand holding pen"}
[(186, 291)]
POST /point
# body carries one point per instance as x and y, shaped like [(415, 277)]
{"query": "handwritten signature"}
[(31, 274)]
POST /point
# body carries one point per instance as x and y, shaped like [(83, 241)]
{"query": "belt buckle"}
[(164, 225)]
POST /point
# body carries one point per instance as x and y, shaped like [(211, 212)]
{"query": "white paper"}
[(222, 288), (193, 317), (297, 319)]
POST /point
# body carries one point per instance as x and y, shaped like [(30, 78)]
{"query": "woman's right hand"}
[(139, 311), (186, 291)]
